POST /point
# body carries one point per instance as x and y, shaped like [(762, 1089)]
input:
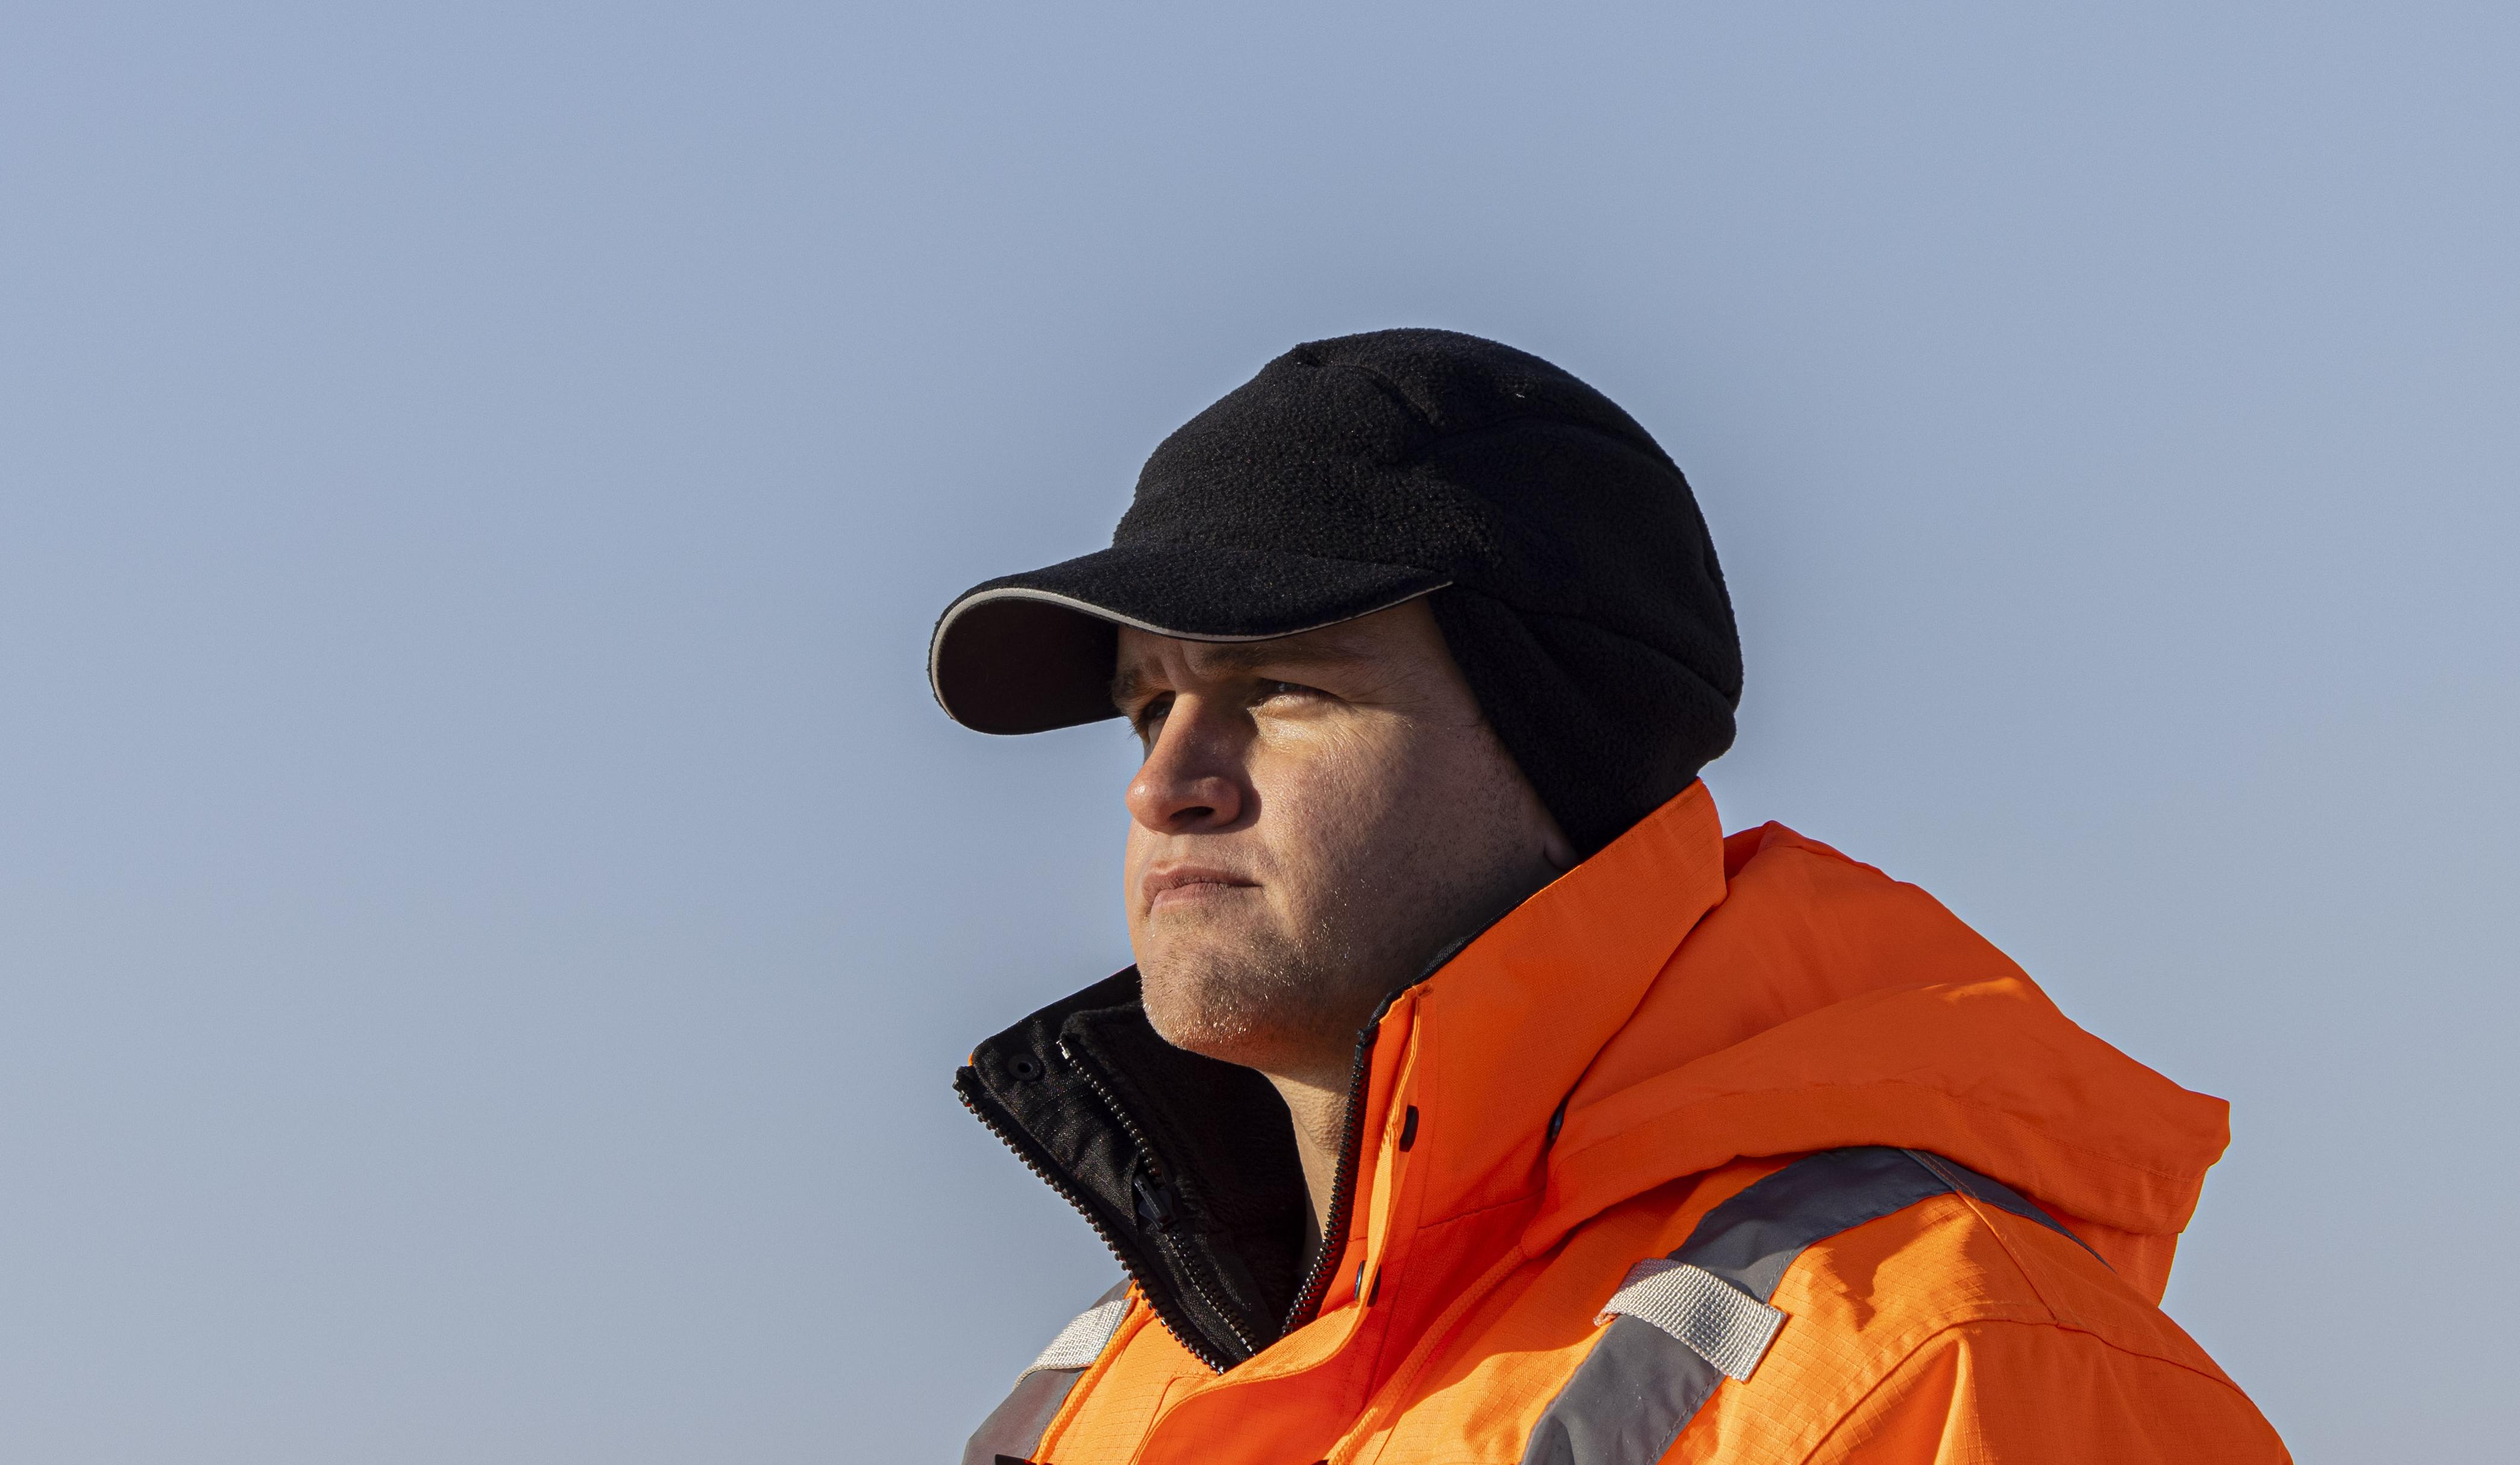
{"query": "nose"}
[(1193, 779)]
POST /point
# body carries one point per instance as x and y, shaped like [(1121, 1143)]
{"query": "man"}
[(1473, 1098)]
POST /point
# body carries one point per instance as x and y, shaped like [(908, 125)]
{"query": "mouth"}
[(1186, 885)]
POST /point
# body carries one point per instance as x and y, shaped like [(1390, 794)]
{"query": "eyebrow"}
[(1244, 657)]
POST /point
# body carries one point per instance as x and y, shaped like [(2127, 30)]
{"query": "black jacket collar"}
[(1186, 1165)]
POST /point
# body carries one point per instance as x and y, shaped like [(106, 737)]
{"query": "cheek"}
[(1415, 796), (1327, 793)]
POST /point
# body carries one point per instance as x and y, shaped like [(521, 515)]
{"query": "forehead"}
[(1145, 654), (1400, 641)]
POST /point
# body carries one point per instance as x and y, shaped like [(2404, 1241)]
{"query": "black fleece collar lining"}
[(1184, 1165)]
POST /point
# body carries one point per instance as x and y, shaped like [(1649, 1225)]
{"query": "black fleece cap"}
[(1566, 558)]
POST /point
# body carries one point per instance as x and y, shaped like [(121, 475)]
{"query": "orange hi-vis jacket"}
[(1713, 1150)]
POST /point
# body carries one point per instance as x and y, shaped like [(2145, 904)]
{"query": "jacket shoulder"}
[(2004, 1391), (1987, 1324)]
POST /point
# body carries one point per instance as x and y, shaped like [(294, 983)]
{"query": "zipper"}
[(1190, 1269), (985, 1110), (1317, 1277)]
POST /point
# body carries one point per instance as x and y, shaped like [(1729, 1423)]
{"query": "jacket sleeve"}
[(1987, 1393)]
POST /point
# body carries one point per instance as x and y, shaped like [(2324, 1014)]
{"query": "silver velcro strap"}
[(1718, 1322), (1081, 1341)]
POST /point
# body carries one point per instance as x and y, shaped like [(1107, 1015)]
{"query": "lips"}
[(1177, 884)]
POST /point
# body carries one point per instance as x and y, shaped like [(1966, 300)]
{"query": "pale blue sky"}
[(488, 910)]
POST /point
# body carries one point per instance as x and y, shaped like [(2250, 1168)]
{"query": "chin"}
[(1194, 1006), (1199, 1032), (1182, 1011)]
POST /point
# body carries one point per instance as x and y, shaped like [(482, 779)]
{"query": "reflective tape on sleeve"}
[(1719, 1322), (1680, 1325)]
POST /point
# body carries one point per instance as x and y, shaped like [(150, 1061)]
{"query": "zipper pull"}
[(1154, 1202)]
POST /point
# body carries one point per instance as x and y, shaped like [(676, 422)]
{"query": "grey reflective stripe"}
[(1643, 1381), (1014, 1429), (1720, 1323), (1751, 1239), (1996, 1193), (1626, 1402)]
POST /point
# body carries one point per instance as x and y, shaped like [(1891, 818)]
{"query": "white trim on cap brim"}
[(936, 643)]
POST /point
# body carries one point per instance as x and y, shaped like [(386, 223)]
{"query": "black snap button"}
[(1024, 1066)]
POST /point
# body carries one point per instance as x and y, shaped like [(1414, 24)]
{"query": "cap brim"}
[(1030, 652)]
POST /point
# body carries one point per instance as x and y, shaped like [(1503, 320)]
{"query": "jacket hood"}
[(1681, 1001)]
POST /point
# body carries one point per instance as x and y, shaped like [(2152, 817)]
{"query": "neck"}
[(1317, 1102)]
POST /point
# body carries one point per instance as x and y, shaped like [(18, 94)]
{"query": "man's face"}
[(1316, 815)]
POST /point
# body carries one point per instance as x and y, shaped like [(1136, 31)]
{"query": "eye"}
[(1148, 716), (1265, 693)]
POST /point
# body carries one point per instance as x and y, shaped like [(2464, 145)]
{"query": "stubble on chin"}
[(1240, 994)]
